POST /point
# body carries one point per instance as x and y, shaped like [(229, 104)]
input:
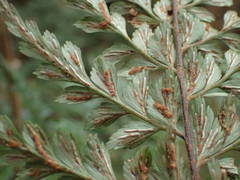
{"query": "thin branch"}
[(183, 90)]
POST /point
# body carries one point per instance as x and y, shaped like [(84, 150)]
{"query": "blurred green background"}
[(23, 97)]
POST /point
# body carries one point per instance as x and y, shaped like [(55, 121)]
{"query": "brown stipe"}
[(184, 96)]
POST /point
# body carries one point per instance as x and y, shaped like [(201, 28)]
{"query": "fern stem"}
[(183, 90)]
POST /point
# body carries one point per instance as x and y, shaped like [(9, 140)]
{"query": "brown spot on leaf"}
[(171, 155), (51, 75), (107, 80), (138, 69), (167, 91), (104, 11), (160, 107), (13, 143), (84, 97), (135, 70), (38, 143), (104, 24), (167, 114), (75, 59), (163, 110)]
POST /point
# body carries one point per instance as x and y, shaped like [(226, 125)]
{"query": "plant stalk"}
[(183, 90)]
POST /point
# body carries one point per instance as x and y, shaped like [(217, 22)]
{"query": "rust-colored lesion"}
[(144, 170), (40, 148), (108, 82), (163, 110), (138, 69), (11, 142), (75, 59), (107, 18), (83, 97), (171, 155)]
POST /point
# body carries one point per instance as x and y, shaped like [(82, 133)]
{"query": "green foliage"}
[(139, 82)]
